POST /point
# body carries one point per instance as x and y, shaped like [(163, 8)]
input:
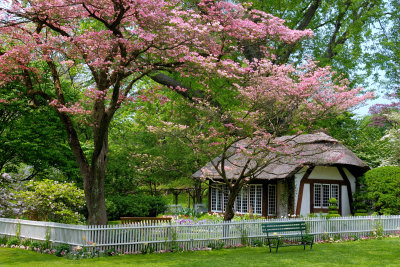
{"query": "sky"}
[(363, 109)]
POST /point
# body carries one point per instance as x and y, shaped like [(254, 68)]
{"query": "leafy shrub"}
[(378, 230), (13, 241), (361, 212), (257, 243), (62, 249), (49, 200), (3, 240), (110, 252), (148, 249), (8, 205), (36, 245), (333, 208), (217, 244), (380, 190), (26, 242), (134, 206)]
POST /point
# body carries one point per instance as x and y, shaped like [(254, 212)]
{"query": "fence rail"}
[(186, 235)]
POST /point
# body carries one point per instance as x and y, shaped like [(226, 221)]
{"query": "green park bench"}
[(290, 233)]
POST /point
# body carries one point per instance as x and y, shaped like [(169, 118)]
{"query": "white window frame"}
[(272, 200), (218, 198), (242, 202), (215, 199), (322, 192), (338, 193), (255, 198)]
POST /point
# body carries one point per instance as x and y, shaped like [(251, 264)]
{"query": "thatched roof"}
[(318, 149)]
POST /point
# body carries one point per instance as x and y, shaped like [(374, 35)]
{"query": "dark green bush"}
[(134, 206), (361, 212), (62, 249), (36, 245), (3, 240), (380, 190), (13, 241), (26, 242)]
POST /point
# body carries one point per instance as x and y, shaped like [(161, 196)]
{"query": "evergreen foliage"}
[(134, 206), (380, 190)]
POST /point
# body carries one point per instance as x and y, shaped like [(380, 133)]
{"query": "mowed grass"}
[(384, 252)]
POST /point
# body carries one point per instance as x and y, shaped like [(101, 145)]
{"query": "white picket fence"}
[(186, 235)]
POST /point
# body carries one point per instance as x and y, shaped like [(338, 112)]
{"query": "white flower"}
[(6, 176)]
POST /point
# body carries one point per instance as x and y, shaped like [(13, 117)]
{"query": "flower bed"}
[(190, 217)]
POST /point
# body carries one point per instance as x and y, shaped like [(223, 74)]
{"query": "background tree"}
[(386, 47), (360, 135), (392, 139), (344, 32), (141, 160), (31, 135)]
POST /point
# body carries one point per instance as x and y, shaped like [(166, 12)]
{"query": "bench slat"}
[(281, 230), (283, 227)]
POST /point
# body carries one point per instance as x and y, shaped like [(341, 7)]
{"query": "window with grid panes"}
[(219, 198), (317, 195), (242, 201), (324, 192), (248, 196), (225, 193), (259, 193), (216, 199), (335, 192), (271, 200), (325, 195), (255, 198)]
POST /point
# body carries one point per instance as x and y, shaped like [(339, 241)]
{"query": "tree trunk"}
[(229, 213), (176, 195), (94, 187), (198, 193), (194, 199), (94, 194), (188, 192)]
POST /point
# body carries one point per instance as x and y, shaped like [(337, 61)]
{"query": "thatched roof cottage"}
[(322, 169)]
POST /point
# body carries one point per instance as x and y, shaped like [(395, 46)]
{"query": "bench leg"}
[(269, 245)]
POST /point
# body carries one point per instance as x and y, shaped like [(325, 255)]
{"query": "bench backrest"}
[(287, 227), (126, 220)]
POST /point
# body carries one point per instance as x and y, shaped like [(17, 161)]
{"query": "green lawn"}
[(384, 252)]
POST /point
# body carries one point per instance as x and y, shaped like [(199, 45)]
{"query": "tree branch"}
[(188, 92)]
